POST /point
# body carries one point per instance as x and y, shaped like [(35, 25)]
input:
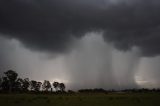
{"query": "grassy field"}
[(113, 99)]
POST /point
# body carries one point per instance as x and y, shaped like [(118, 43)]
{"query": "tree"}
[(33, 85), (46, 85), (26, 84), (0, 83), (62, 87), (10, 82), (11, 77), (56, 85), (18, 84), (38, 86), (5, 84)]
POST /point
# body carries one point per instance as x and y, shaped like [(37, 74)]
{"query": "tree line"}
[(10, 82)]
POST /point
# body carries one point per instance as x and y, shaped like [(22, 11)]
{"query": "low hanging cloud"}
[(52, 25)]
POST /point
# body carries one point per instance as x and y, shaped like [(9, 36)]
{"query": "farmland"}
[(81, 99)]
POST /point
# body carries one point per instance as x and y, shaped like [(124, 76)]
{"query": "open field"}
[(94, 99)]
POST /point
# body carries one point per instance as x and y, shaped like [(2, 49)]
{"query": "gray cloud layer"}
[(51, 25)]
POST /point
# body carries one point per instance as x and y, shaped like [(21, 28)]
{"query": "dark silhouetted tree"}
[(62, 87), (26, 84), (0, 84), (11, 77), (5, 84), (56, 85), (33, 85), (10, 82), (38, 86), (46, 85), (18, 85)]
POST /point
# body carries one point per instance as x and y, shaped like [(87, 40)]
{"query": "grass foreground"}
[(81, 99)]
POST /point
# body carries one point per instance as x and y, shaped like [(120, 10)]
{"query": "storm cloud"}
[(53, 25), (111, 44)]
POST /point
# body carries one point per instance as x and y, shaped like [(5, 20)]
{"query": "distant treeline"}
[(100, 90), (10, 83)]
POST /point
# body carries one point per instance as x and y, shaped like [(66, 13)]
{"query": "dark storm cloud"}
[(51, 25)]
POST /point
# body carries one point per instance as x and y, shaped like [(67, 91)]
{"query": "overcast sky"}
[(110, 44)]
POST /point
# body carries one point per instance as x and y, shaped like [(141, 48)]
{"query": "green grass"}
[(113, 99)]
